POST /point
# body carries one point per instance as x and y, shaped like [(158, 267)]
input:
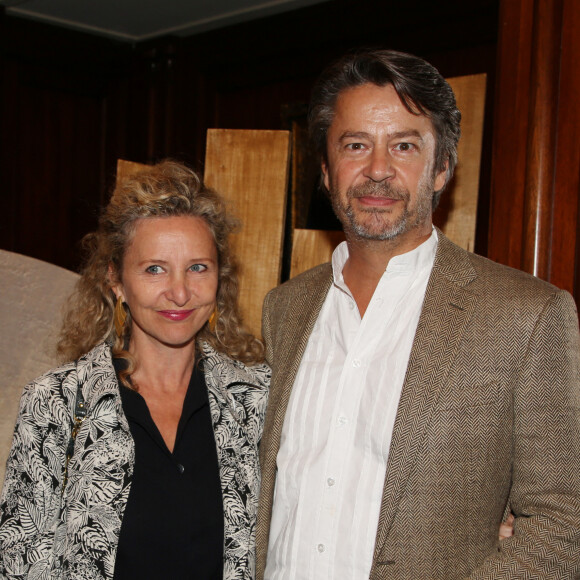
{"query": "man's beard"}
[(379, 226)]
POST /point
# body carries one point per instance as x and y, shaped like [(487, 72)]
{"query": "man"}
[(420, 393)]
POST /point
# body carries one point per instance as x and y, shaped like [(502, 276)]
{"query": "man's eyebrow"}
[(354, 135), (406, 133), (396, 135)]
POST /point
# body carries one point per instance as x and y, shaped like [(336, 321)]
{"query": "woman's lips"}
[(175, 314)]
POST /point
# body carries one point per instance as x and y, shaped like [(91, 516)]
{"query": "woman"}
[(139, 459)]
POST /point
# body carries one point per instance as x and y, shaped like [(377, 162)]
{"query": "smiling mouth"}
[(377, 200), (175, 314)]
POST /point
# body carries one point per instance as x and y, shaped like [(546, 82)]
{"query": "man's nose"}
[(380, 166)]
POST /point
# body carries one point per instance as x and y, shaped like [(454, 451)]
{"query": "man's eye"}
[(154, 269), (404, 147), (355, 146), (198, 268)]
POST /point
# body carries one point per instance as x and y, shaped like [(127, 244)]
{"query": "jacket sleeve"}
[(545, 492), (30, 500)]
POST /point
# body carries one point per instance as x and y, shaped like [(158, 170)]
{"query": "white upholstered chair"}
[(32, 293)]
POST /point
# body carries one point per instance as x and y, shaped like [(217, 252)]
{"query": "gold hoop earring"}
[(119, 317), (212, 322)]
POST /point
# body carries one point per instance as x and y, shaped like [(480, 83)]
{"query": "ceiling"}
[(138, 20)]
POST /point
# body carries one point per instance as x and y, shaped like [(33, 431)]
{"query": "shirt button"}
[(356, 363), (321, 548), (330, 482), (342, 421), (351, 305), (180, 468)]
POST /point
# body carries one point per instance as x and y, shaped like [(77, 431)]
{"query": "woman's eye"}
[(198, 268), (154, 269)]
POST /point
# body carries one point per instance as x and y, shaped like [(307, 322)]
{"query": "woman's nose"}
[(179, 292)]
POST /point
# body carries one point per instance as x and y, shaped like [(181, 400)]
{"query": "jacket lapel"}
[(291, 335), (96, 374), (447, 308), (296, 333), (229, 385)]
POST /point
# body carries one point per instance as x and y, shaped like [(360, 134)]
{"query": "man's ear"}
[(441, 178), (324, 169)]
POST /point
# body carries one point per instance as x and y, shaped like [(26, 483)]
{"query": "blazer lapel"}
[(96, 374), (296, 332), (447, 308), (290, 337)]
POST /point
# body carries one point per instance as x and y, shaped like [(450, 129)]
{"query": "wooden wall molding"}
[(535, 164)]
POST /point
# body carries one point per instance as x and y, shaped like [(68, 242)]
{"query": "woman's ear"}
[(114, 282)]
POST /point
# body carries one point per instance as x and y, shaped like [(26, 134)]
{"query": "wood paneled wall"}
[(61, 120), (534, 217), (72, 103)]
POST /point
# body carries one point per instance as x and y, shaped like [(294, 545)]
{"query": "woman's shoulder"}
[(100, 354), (66, 375)]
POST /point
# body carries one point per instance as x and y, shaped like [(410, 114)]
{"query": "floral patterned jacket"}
[(50, 531)]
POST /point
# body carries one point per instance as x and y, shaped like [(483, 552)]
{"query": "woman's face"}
[(169, 280)]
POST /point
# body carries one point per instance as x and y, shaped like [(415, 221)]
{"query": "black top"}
[(173, 525)]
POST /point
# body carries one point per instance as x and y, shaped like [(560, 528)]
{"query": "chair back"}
[(32, 293)]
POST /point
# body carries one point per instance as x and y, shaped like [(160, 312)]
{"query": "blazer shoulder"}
[(100, 355), (304, 284), (227, 370), (506, 279), (490, 278)]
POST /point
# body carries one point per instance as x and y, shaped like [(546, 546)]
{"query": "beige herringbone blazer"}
[(489, 417)]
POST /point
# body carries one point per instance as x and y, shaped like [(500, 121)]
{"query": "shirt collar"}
[(417, 259)]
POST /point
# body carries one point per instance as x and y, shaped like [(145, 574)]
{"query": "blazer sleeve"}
[(545, 491)]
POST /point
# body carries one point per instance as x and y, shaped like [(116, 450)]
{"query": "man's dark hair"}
[(419, 85)]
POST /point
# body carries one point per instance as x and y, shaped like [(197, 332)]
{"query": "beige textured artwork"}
[(312, 247), (32, 293), (126, 168), (459, 204), (250, 169)]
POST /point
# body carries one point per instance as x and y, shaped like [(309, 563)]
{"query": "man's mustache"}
[(382, 189)]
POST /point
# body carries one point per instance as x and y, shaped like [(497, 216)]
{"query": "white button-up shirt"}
[(339, 422)]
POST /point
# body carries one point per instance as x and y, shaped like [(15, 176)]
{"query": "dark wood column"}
[(536, 158)]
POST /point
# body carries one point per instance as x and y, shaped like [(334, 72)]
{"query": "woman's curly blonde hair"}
[(164, 190)]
